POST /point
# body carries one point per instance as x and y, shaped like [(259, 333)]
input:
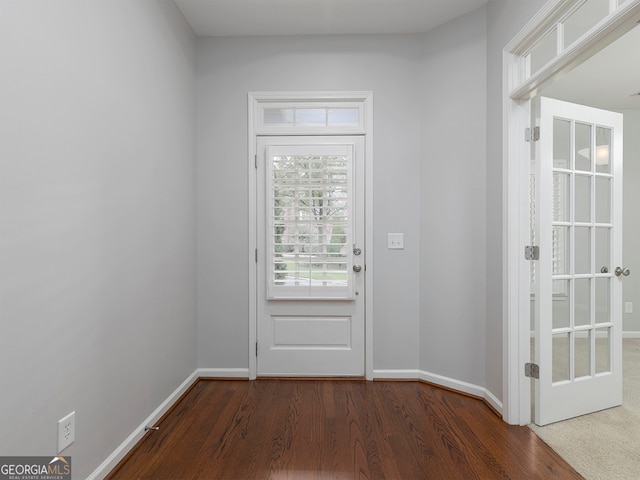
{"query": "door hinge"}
[(256, 255), (255, 161), (531, 370), (256, 349), (532, 134), (532, 252)]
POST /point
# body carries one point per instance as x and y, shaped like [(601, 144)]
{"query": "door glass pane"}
[(560, 304), (343, 117), (582, 357), (603, 350), (603, 250), (561, 143), (543, 52), (603, 150), (582, 305), (582, 250), (583, 199), (561, 204), (278, 117), (310, 117), (583, 147), (603, 200), (590, 13), (560, 355), (560, 250), (603, 300), (310, 221)]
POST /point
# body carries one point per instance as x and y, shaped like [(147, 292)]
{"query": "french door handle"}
[(357, 268), (623, 271)]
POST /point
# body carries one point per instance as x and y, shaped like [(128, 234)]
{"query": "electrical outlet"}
[(66, 431)]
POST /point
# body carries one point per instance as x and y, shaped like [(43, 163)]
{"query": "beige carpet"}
[(604, 445)]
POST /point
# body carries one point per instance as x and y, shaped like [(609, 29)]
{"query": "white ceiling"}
[(320, 17), (607, 80)]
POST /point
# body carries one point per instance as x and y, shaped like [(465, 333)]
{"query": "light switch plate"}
[(396, 241)]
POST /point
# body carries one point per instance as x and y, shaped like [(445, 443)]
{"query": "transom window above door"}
[(323, 114)]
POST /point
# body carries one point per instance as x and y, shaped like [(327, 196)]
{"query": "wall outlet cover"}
[(66, 431)]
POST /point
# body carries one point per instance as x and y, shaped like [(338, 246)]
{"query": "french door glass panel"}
[(578, 320)]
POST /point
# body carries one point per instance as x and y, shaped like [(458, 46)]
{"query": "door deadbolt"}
[(356, 250)]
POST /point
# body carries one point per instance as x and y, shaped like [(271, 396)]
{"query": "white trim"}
[(243, 373), (121, 451), (442, 381), (625, 334), (464, 387), (538, 26), (604, 33), (517, 90), (396, 374), (369, 236), (516, 275), (366, 99), (253, 239), (223, 373)]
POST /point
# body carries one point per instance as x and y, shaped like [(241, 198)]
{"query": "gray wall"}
[(438, 303), (631, 219), (97, 229), (453, 200), (97, 200), (228, 68)]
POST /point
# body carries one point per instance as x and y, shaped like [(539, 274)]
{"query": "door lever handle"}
[(623, 271)]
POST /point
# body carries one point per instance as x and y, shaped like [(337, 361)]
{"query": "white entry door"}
[(311, 257), (580, 272)]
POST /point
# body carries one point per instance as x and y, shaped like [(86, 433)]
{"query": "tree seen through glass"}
[(310, 220)]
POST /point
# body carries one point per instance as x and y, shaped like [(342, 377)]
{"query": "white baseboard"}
[(396, 374), (443, 381), (124, 448), (243, 373), (223, 373), (627, 334)]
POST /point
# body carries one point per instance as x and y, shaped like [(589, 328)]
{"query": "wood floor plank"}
[(328, 429)]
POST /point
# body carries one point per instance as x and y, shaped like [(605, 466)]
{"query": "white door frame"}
[(257, 102), (519, 86)]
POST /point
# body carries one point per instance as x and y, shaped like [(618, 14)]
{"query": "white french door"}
[(311, 259), (579, 275)]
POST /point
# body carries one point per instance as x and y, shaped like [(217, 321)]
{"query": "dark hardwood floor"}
[(336, 429)]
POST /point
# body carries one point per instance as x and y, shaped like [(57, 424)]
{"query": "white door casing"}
[(311, 256), (578, 296), (520, 84), (261, 123)]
